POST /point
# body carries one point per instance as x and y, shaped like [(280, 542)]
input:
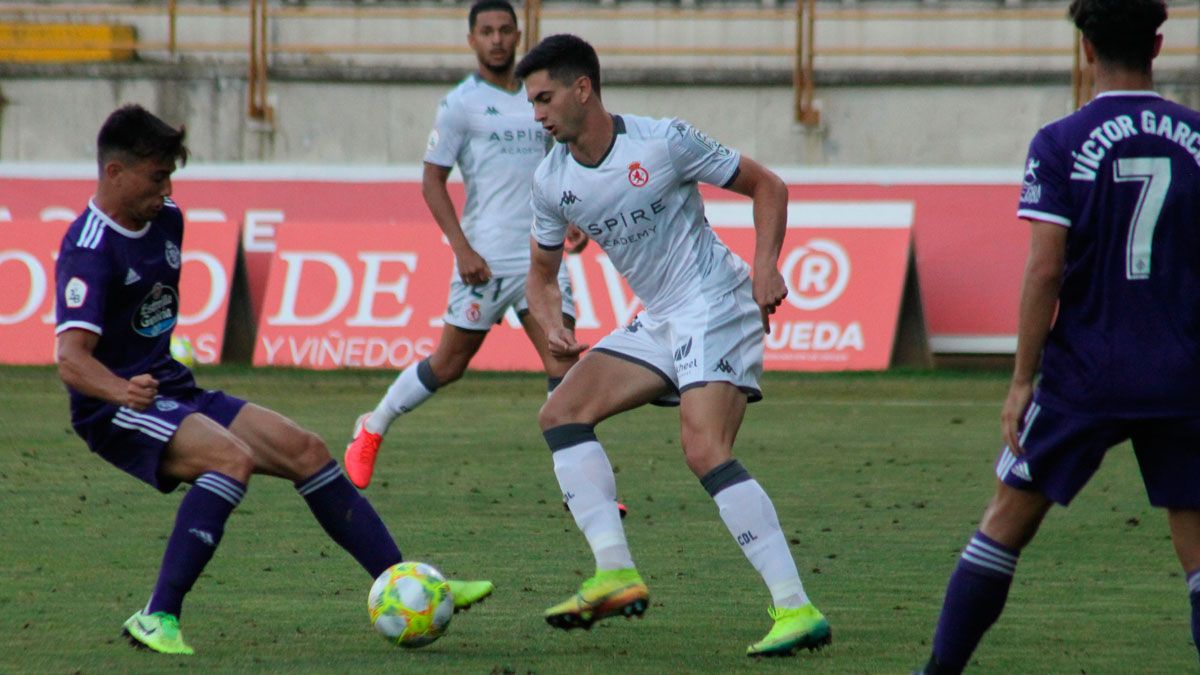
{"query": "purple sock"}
[(349, 519), (974, 599), (1193, 580), (199, 525)]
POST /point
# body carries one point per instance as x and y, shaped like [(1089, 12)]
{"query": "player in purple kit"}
[(1112, 193), (117, 303)]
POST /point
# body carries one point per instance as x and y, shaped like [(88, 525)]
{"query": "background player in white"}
[(631, 184), (485, 125)]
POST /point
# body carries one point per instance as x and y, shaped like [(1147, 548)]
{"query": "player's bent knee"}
[(312, 454)]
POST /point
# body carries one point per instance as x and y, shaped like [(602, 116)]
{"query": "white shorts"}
[(707, 340), (478, 308)]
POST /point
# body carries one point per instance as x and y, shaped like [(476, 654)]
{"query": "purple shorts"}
[(1063, 451), (134, 441)]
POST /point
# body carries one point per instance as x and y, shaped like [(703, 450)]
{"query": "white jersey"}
[(490, 134), (641, 204)]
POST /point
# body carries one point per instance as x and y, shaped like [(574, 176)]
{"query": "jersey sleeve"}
[(81, 277), (549, 224), (697, 157), (1046, 187), (449, 134)]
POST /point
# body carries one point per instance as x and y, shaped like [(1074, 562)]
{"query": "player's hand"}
[(577, 239), (140, 392), (1019, 396), (769, 291), (472, 268), (561, 341)]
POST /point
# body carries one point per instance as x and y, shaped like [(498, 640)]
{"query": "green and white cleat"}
[(158, 631), (467, 594), (795, 629), (608, 593)]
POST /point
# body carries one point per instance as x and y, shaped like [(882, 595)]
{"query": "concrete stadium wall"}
[(372, 123)]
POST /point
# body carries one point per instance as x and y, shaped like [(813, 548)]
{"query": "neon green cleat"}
[(158, 631), (467, 594), (608, 593), (795, 629)]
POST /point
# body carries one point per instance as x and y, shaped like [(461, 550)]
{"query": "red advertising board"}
[(374, 295), (970, 247), (27, 253)]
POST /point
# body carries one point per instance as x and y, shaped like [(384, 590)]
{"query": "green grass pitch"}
[(878, 479)]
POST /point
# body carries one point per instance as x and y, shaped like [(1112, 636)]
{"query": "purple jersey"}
[(1123, 173), (123, 286)]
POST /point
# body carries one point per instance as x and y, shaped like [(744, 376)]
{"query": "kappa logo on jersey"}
[(173, 257), (165, 404), (568, 198), (75, 293), (491, 110), (682, 352), (132, 277), (638, 176), (724, 367), (157, 313), (434, 137), (635, 326)]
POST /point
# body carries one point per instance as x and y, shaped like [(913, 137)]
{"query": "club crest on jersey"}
[(173, 257), (157, 312), (434, 137), (638, 175), (473, 313), (165, 405)]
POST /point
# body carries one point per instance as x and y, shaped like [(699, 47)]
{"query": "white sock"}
[(750, 517), (405, 394), (588, 485)]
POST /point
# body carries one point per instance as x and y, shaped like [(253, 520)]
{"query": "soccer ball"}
[(181, 351), (410, 604)]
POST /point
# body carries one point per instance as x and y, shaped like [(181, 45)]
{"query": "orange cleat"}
[(361, 452)]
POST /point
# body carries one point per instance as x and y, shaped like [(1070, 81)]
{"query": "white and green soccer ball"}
[(181, 351), (410, 604)]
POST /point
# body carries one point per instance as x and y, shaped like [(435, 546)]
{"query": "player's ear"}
[(1158, 40), (583, 88), (112, 168)]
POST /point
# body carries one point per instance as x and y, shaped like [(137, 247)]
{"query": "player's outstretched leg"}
[(159, 632), (199, 526), (750, 516), (608, 593), (794, 629), (975, 598), (413, 386), (467, 594), (590, 488)]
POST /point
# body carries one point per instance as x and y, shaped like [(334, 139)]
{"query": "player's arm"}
[(1039, 300), (545, 300), (472, 267), (770, 224), (81, 371)]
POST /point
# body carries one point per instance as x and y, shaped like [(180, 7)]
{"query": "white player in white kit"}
[(631, 184), (485, 126)]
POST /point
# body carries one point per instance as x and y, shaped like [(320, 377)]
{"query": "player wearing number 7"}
[(1113, 196)]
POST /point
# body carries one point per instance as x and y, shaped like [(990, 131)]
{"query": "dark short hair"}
[(1122, 31), (489, 6), (133, 133), (565, 57)]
